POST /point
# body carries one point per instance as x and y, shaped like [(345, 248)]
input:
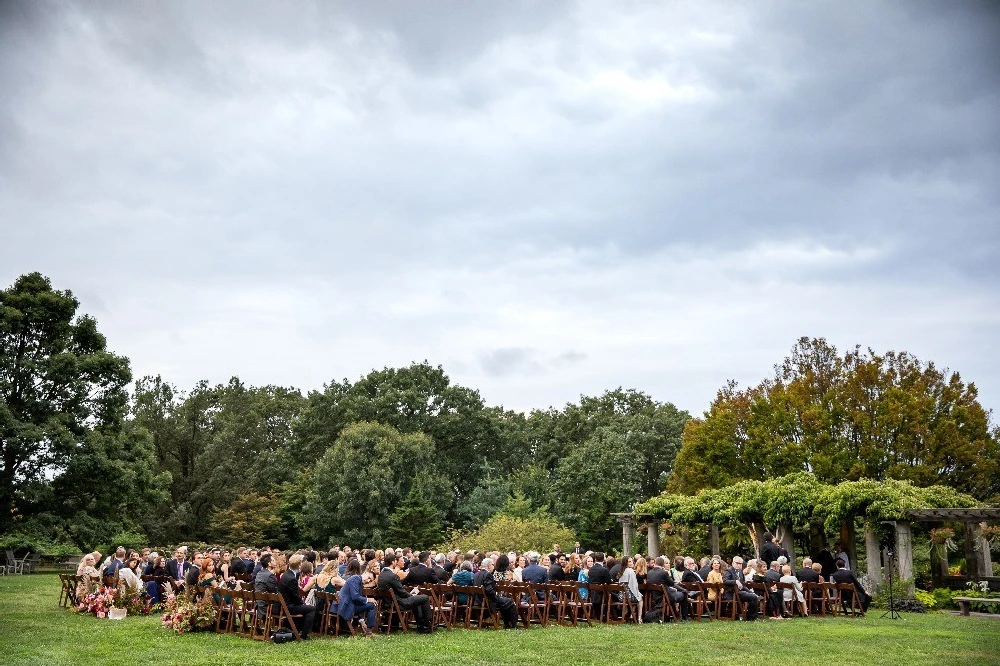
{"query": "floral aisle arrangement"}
[(185, 615), (101, 601)]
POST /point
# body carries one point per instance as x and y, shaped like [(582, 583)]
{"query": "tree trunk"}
[(817, 539), (972, 558), (784, 537), (848, 541), (757, 536), (904, 552), (713, 540), (653, 538)]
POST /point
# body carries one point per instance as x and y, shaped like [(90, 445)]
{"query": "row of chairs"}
[(820, 598), (31, 562)]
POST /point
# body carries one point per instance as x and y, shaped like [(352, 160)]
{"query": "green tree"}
[(59, 385), (594, 481), (416, 522), (361, 479)]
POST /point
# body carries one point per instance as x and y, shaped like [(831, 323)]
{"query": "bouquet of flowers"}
[(133, 601), (99, 602), (184, 615)]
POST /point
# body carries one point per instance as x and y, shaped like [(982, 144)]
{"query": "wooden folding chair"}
[(225, 616), (574, 607), (846, 591), (443, 608), (614, 603)]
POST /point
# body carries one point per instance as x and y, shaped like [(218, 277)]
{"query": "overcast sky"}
[(548, 199)]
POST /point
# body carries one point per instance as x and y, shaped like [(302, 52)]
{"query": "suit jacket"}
[(703, 572), (288, 586), (769, 552), (191, 577), (534, 573), (484, 579), (599, 575), (442, 574), (555, 573), (807, 575), (421, 575), (658, 576), (847, 576), (352, 598), (388, 580), (265, 582), (172, 569), (771, 577), (730, 578), (691, 577)]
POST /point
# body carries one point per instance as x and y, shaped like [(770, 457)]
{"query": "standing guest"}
[(827, 563), (578, 549), (288, 586), (769, 551), (734, 581), (842, 557)]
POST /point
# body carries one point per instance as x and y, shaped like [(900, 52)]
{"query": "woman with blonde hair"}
[(91, 576), (640, 569)]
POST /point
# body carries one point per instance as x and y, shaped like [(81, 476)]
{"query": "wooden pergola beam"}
[(959, 515)]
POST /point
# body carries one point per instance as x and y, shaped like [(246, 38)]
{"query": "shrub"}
[(504, 533), (926, 598)]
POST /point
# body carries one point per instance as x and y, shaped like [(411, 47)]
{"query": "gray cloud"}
[(299, 191)]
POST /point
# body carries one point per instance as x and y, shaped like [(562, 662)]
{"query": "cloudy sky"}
[(546, 198)]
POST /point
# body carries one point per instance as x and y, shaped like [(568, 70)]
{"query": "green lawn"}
[(35, 631)]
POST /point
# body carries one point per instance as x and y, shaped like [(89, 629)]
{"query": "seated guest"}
[(437, 564), (128, 574), (535, 573), (420, 572), (288, 586), (775, 605), (306, 580), (818, 568), (501, 569), (266, 579), (353, 602), (91, 576), (495, 602), (369, 578), (734, 581), (207, 577), (599, 575), (147, 565), (584, 575), (557, 567), (462, 576), (390, 579), (795, 594), (640, 569), (191, 577), (706, 566), (807, 574), (117, 562), (631, 583), (845, 575), (714, 576), (678, 569)]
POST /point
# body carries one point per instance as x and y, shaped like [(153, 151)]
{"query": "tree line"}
[(91, 457)]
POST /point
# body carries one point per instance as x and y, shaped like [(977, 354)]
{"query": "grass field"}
[(35, 631)]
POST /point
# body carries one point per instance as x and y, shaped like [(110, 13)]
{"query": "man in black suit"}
[(769, 551), (806, 574), (598, 576), (288, 586), (658, 575), (706, 566), (437, 564), (845, 575), (775, 597), (556, 572), (420, 572), (420, 604), (191, 577), (826, 561), (735, 586), (578, 549), (494, 601)]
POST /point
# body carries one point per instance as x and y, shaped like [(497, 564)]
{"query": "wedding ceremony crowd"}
[(366, 590)]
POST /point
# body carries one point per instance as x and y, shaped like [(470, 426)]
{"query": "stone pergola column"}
[(873, 555), (628, 532), (653, 538), (786, 539), (985, 559), (904, 550)]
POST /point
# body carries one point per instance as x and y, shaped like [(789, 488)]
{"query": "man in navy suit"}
[(535, 573)]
